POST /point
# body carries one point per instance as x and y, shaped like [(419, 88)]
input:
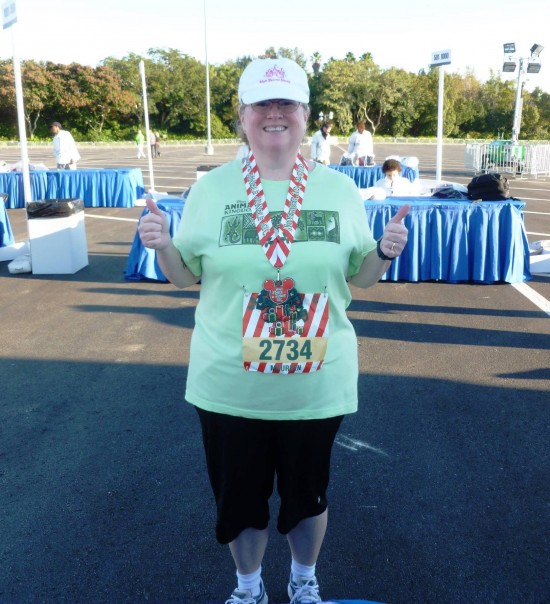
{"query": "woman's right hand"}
[(153, 228)]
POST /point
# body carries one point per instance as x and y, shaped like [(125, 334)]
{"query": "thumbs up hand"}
[(153, 228), (394, 238)]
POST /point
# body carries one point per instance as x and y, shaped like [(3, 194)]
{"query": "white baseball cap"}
[(265, 79)]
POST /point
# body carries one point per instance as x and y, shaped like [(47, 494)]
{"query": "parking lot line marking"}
[(533, 296), (112, 218), (354, 445)]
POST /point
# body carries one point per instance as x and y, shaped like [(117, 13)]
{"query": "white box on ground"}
[(58, 245), (539, 257), (540, 265)]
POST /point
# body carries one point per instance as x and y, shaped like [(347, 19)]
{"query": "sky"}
[(402, 34)]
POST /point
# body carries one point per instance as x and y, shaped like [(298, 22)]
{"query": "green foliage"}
[(105, 103), (287, 53)]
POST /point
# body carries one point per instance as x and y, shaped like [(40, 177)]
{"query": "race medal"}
[(283, 331)]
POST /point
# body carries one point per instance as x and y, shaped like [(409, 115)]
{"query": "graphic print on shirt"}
[(284, 331), (238, 228)]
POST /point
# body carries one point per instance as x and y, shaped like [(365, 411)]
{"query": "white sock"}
[(251, 581), (301, 570)]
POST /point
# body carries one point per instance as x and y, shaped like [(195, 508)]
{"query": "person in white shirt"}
[(393, 183), (64, 148), (320, 144), (361, 146)]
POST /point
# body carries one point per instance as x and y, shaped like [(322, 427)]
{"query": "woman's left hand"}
[(394, 238)]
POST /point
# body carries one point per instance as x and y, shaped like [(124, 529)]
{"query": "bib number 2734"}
[(298, 346)]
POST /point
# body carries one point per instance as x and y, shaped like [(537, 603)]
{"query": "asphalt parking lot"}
[(440, 491)]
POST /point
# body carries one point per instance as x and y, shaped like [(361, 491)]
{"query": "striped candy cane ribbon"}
[(276, 245)]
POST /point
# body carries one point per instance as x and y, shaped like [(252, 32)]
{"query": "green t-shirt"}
[(217, 239)]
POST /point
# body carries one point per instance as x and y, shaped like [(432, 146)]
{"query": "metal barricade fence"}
[(500, 156), (537, 160), (472, 156)]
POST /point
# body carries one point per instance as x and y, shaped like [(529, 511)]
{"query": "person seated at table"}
[(393, 183)]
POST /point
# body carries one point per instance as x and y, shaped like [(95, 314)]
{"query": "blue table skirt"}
[(457, 241), (452, 240), (142, 262), (6, 234), (112, 187), (366, 176)]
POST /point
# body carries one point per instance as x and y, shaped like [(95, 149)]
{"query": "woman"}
[(273, 362), (393, 183), (320, 144)]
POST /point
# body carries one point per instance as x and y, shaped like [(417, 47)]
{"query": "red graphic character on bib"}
[(282, 307)]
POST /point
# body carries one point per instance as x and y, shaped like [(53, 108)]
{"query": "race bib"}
[(285, 336)]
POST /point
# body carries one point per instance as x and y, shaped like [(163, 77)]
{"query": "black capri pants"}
[(244, 456)]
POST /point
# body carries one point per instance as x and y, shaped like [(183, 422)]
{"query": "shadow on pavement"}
[(440, 492)]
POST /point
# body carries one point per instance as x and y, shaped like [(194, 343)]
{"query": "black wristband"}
[(380, 253)]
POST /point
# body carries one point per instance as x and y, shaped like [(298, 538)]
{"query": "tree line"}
[(104, 103)]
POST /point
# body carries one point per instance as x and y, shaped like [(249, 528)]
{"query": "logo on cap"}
[(274, 73)]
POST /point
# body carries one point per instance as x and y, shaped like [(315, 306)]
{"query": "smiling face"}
[(274, 130)]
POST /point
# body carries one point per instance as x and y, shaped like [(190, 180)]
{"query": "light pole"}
[(209, 150), (440, 59), (147, 128), (530, 64), (9, 19)]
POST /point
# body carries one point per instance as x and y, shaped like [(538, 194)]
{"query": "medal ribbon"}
[(276, 245)]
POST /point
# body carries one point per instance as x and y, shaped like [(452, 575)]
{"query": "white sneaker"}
[(304, 591), (244, 596)]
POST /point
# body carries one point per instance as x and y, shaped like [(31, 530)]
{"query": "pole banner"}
[(9, 14)]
